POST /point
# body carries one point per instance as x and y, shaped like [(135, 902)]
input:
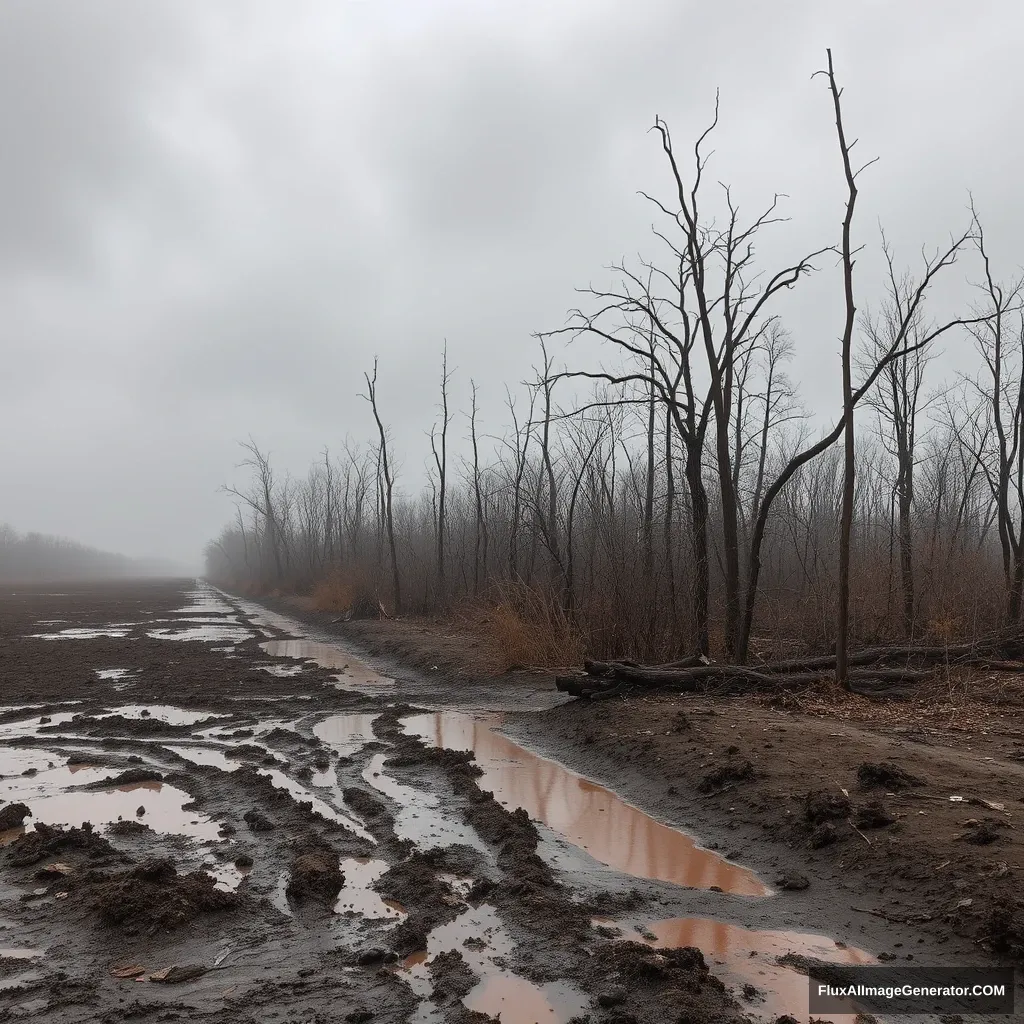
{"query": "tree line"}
[(40, 558), (678, 500)]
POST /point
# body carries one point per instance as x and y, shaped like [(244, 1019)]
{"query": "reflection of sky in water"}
[(588, 815), (51, 801)]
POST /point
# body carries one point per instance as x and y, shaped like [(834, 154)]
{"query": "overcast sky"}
[(214, 214)]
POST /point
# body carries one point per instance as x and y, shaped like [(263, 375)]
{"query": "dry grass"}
[(529, 629), (340, 591)]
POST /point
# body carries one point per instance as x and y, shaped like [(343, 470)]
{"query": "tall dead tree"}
[(387, 486), (439, 449), (999, 338), (849, 441)]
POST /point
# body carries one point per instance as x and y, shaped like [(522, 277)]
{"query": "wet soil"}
[(235, 815)]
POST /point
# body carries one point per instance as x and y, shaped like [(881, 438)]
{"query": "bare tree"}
[(387, 486)]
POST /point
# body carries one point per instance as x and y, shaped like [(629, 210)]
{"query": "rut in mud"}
[(210, 816)]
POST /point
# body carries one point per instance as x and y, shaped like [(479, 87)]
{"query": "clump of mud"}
[(153, 895), (119, 725), (12, 815), (365, 803), (649, 984), (726, 773), (315, 874), (984, 831), (48, 841), (258, 822), (821, 805), (873, 815), (887, 774), (127, 827), (130, 777), (451, 976)]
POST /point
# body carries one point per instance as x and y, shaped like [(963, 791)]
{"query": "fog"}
[(213, 217)]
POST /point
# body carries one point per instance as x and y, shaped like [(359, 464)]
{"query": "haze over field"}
[(212, 217)]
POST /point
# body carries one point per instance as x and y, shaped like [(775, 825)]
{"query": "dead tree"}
[(387, 486), (441, 461)]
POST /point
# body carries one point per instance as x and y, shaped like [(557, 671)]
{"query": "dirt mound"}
[(131, 777), (873, 815), (315, 874), (127, 827), (983, 832), (666, 984), (726, 773), (12, 815), (153, 895), (118, 724), (49, 841), (258, 822), (887, 774), (364, 803), (822, 805), (451, 976)]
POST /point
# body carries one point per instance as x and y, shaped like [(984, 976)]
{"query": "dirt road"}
[(213, 811)]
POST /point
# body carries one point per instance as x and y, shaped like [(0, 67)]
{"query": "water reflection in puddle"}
[(499, 991), (352, 673), (52, 801), (743, 956), (85, 633), (420, 818), (208, 634), (345, 734), (588, 815), (32, 726), (356, 896), (207, 756), (163, 712)]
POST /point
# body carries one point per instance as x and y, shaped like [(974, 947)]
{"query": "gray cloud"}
[(212, 217)]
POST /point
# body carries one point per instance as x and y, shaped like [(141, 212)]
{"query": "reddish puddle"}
[(352, 673), (742, 956), (588, 815)]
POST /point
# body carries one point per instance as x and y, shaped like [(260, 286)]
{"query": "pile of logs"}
[(876, 671)]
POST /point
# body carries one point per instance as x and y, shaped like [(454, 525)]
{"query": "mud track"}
[(235, 816)]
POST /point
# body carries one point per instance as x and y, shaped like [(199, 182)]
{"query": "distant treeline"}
[(39, 558)]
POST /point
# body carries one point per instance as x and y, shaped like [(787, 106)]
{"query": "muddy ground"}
[(213, 810)]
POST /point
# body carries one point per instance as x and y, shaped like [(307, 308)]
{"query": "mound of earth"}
[(48, 841), (131, 777), (153, 895), (315, 874), (12, 815), (886, 774)]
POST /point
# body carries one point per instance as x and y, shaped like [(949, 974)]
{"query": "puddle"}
[(31, 726), (282, 671), (279, 897), (51, 800), (229, 876), (419, 818), (112, 673), (303, 795), (352, 673), (208, 634), (346, 734), (206, 756), (499, 991), (356, 896), (588, 815), (744, 956), (164, 712), (84, 633)]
